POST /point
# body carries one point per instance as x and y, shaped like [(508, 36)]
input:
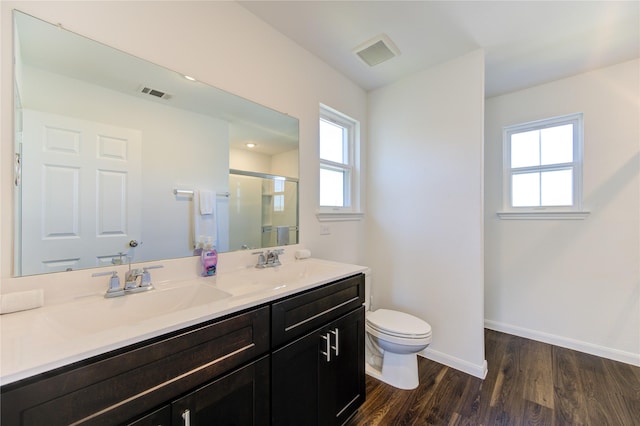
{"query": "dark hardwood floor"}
[(529, 383)]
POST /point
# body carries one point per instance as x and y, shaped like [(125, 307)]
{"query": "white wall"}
[(572, 283), (219, 43), (241, 159), (285, 164), (425, 212)]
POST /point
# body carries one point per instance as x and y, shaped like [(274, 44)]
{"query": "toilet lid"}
[(398, 323)]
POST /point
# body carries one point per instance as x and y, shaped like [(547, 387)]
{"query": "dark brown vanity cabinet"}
[(296, 361), (318, 378), (120, 386)]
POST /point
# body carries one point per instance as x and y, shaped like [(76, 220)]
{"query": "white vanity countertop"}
[(39, 340)]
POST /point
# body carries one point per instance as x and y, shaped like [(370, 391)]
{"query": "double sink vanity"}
[(281, 345)]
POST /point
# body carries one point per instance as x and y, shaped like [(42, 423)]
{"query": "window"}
[(543, 168), (278, 195), (338, 142)]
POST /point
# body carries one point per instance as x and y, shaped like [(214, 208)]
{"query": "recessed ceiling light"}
[(250, 145), (188, 77)]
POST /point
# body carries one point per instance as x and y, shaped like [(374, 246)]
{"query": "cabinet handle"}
[(327, 340), (336, 348), (186, 417)]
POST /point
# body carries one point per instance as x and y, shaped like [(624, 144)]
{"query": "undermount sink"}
[(276, 278), (293, 272), (97, 314)]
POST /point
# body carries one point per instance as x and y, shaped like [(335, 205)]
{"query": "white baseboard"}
[(479, 371), (565, 342)]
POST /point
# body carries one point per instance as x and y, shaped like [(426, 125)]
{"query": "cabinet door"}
[(295, 377), (240, 398), (318, 379), (345, 390)]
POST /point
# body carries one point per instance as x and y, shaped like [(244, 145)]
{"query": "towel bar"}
[(189, 193)]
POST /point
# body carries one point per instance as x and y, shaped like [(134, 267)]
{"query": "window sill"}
[(543, 215), (338, 216)]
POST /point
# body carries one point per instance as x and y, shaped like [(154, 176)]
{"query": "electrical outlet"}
[(325, 230)]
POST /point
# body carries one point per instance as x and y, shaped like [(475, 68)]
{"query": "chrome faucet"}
[(131, 284), (272, 257), (131, 279), (268, 259)]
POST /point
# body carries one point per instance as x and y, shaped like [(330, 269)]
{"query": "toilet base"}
[(398, 370)]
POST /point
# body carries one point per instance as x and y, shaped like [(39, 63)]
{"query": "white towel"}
[(204, 225), (282, 235), (207, 200), (21, 301)]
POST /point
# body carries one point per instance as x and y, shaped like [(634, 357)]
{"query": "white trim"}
[(566, 342), (479, 371), (543, 215), (338, 216)]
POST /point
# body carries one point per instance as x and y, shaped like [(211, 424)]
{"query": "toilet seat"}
[(398, 324)]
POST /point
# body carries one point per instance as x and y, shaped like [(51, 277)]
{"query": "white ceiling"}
[(525, 42)]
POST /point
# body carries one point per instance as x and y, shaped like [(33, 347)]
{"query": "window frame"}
[(351, 169), (575, 211)]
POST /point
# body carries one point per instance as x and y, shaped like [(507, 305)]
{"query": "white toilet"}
[(393, 340)]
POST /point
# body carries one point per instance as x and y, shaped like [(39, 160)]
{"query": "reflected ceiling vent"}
[(154, 92), (377, 50)]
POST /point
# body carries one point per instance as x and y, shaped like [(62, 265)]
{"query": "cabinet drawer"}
[(119, 387), (300, 314)]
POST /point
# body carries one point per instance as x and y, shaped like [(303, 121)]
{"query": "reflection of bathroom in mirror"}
[(262, 210), (103, 140)]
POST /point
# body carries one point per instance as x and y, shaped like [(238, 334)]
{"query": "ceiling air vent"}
[(377, 50), (154, 92)]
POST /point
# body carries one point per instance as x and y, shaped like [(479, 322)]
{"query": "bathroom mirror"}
[(111, 152)]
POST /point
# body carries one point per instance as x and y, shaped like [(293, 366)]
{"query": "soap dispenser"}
[(209, 259)]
